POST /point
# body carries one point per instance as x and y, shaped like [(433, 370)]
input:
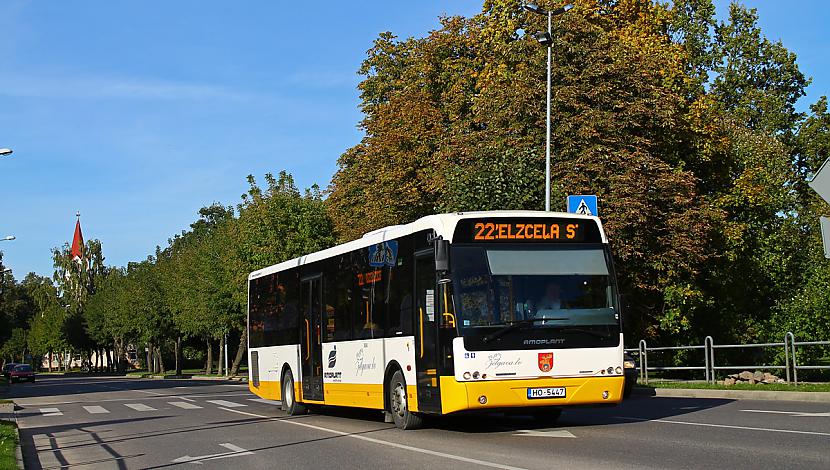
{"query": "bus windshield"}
[(541, 286)]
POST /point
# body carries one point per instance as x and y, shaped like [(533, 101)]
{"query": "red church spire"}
[(77, 251)]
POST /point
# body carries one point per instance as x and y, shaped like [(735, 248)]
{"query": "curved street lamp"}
[(4, 152), (545, 38), (7, 238)]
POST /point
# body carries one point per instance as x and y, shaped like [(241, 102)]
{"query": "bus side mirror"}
[(442, 255)]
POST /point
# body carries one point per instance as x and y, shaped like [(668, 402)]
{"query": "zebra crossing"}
[(143, 407)]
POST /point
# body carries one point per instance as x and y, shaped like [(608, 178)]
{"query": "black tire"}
[(547, 415), (399, 405), (629, 386), (289, 401)]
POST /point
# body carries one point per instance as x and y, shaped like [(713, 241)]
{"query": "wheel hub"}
[(288, 395), (399, 400)]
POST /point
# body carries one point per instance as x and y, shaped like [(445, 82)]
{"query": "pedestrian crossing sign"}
[(582, 204)]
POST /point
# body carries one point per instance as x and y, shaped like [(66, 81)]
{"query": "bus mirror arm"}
[(622, 301), (442, 255)]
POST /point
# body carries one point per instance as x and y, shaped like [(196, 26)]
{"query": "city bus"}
[(514, 311)]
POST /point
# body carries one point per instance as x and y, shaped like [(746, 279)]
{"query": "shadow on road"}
[(645, 408)]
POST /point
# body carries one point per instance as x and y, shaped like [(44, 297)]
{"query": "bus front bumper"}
[(458, 396)]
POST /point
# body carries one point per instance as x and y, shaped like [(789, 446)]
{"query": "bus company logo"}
[(333, 357), (384, 254), (495, 361), (536, 342), (362, 363), (545, 361)]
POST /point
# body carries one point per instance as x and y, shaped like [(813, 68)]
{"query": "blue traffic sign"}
[(583, 204)]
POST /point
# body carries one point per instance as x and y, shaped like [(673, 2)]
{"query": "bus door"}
[(429, 396), (311, 301)]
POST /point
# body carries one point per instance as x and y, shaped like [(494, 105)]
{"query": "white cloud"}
[(114, 88)]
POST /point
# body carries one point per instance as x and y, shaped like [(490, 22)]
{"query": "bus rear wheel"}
[(399, 404), (289, 401)]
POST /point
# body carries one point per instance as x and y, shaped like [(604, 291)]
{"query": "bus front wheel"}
[(289, 401), (399, 404)]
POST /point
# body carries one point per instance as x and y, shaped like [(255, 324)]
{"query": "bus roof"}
[(443, 224)]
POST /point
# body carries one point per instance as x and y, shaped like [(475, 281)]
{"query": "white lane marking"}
[(554, 433), (185, 399), (96, 409), (459, 458), (727, 426), (235, 451), (185, 405), (51, 412), (792, 413), (228, 404), (160, 397), (139, 407), (267, 402)]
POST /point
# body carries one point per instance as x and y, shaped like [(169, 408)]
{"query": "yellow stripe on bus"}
[(337, 394), (457, 396)]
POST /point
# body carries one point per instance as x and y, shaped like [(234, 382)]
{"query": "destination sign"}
[(524, 230)]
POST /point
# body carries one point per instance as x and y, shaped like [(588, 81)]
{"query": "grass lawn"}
[(8, 442), (807, 387)]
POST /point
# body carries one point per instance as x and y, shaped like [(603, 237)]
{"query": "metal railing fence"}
[(709, 367)]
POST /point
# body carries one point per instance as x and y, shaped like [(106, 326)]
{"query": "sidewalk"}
[(815, 397), (235, 378)]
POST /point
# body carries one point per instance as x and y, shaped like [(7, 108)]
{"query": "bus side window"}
[(256, 327), (399, 304)]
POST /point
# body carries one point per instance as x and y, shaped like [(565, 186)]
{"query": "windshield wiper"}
[(568, 329), (515, 324)]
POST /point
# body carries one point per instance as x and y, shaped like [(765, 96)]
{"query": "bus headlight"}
[(466, 376), (618, 370), (610, 370), (475, 375)]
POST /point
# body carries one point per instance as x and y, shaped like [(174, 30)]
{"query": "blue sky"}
[(139, 113)]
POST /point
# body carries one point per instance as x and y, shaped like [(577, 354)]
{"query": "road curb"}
[(18, 450), (815, 397)]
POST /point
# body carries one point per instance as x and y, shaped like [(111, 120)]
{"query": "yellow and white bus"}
[(501, 310)]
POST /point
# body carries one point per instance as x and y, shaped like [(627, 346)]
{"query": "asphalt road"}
[(76, 422)]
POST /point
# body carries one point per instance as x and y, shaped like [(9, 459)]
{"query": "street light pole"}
[(546, 39), (547, 121), (5, 151)]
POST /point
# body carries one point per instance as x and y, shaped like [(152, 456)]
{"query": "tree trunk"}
[(179, 355), (151, 369), (209, 363), (220, 369), (240, 352), (162, 370), (50, 360)]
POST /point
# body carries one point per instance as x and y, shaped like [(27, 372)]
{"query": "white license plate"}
[(547, 392)]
